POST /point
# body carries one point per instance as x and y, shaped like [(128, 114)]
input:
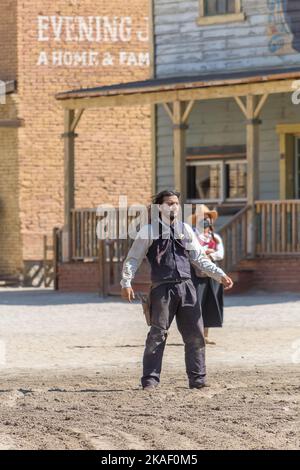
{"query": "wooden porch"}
[(277, 232), (260, 229), (277, 235)]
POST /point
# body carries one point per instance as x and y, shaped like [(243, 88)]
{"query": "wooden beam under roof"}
[(207, 92)]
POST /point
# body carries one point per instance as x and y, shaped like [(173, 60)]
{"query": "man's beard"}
[(172, 216)]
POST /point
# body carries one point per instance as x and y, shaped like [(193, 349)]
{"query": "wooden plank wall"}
[(220, 122), (269, 37)]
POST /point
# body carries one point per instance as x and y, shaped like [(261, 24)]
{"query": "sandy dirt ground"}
[(71, 364)]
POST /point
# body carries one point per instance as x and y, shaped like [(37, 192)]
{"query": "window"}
[(218, 174), (236, 180), (219, 7), (204, 181), (290, 160), (220, 11)]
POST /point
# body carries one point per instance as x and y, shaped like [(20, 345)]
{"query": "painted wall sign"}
[(284, 26), (94, 31), (292, 16)]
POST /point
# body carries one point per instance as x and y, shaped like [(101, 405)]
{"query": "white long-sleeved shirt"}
[(218, 255), (144, 240)]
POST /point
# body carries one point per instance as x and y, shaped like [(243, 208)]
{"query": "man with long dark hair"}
[(170, 251)]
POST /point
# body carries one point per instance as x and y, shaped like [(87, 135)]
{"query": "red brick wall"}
[(270, 275), (8, 40), (10, 239), (10, 242), (79, 277), (113, 147), (273, 274)]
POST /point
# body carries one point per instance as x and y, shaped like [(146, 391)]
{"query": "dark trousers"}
[(168, 301), (210, 298)]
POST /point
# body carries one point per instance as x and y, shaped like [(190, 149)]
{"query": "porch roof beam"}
[(167, 96), (185, 113), (76, 120), (256, 112), (260, 105), (168, 111)]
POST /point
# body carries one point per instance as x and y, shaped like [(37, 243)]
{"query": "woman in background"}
[(209, 292)]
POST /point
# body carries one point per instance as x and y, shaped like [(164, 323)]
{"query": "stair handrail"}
[(234, 218), (232, 253)]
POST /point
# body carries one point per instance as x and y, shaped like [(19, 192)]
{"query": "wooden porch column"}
[(179, 117), (69, 152), (179, 141), (71, 122), (252, 150), (253, 123), (252, 111)]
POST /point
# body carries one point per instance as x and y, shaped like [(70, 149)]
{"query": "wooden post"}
[(179, 116), (55, 257), (179, 142), (71, 122), (153, 148), (69, 153), (252, 110), (253, 123), (45, 264), (103, 287)]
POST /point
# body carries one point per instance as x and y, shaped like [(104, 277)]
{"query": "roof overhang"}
[(182, 89)]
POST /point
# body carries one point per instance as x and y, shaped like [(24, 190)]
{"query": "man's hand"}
[(128, 294), (227, 282)]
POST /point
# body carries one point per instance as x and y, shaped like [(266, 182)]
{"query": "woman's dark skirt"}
[(210, 297)]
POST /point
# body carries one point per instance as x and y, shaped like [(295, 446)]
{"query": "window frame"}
[(287, 153), (238, 16), (223, 189)]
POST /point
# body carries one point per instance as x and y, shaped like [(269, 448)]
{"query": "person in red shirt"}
[(209, 293)]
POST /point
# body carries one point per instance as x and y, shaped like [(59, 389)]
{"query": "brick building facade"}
[(48, 47)]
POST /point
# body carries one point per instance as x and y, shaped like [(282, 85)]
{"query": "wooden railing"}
[(85, 245), (277, 232), (235, 235), (278, 227), (84, 240), (52, 256), (110, 253)]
